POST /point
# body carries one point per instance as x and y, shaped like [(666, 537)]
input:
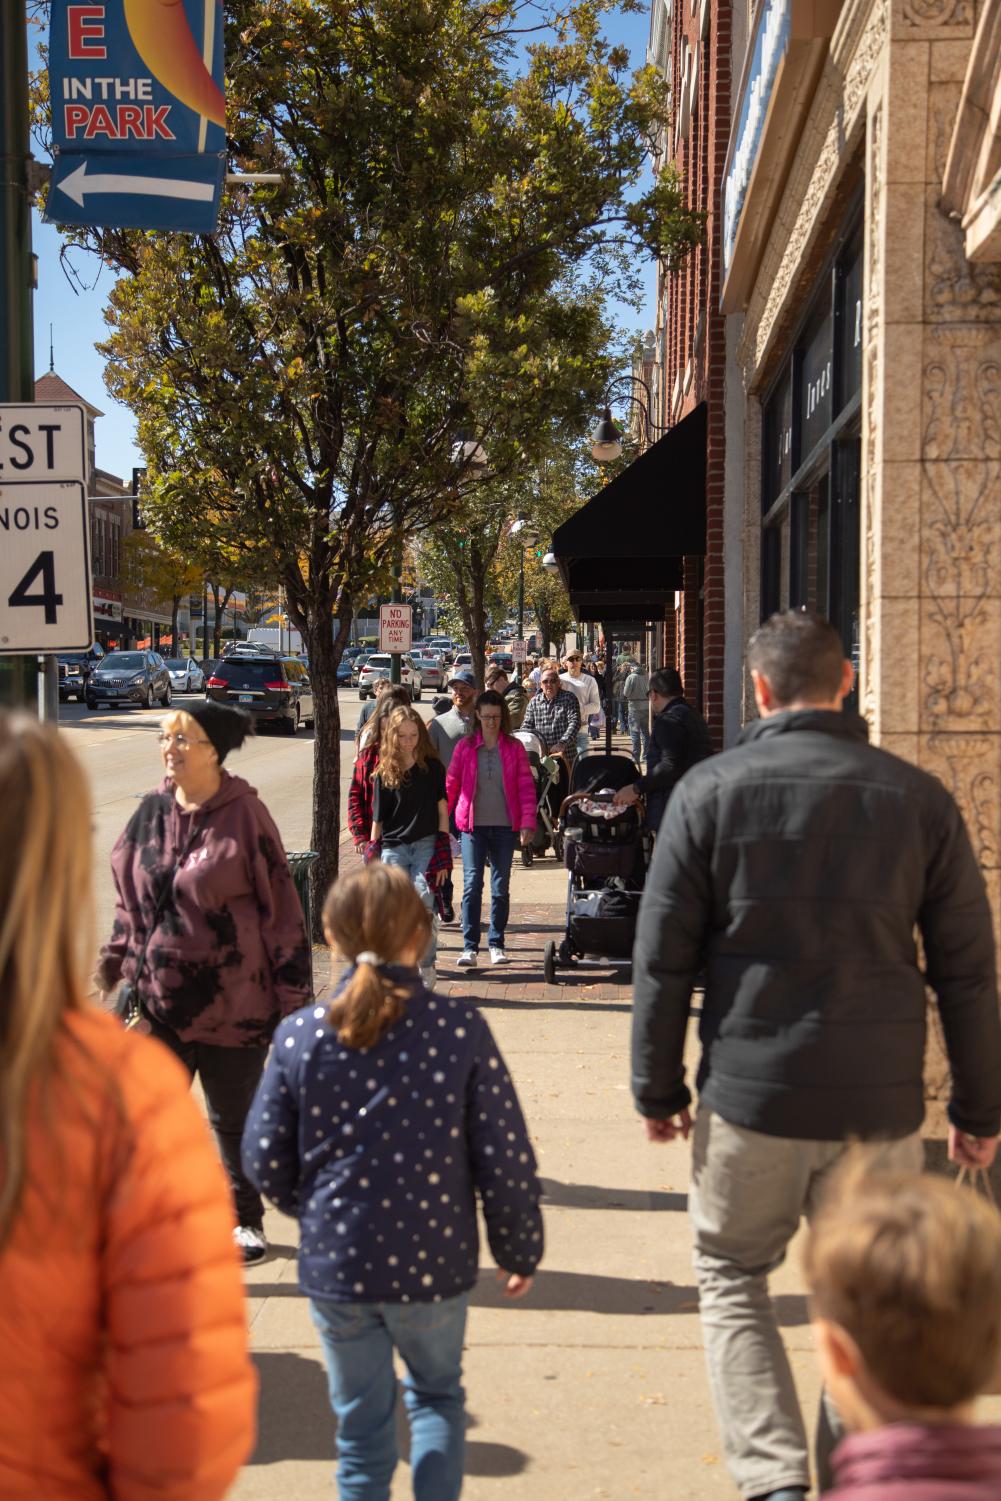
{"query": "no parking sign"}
[(395, 628)]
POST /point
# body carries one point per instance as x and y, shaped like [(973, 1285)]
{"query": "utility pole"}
[(24, 677), (396, 661)]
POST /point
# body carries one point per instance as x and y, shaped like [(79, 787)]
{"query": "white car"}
[(185, 674), (431, 668), (380, 666)]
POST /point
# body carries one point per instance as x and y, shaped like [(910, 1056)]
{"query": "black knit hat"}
[(226, 728)]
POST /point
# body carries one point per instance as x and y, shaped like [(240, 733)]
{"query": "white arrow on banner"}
[(77, 185)]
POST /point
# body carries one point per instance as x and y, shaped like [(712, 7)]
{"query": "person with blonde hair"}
[(362, 789), (904, 1273), (209, 930), (125, 1366), (410, 815), (382, 1117)]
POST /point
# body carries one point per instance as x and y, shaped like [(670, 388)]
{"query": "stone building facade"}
[(862, 292)]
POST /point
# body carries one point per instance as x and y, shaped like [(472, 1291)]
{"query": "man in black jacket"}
[(795, 868), (679, 739)]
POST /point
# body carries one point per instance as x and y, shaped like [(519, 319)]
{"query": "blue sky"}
[(77, 317)]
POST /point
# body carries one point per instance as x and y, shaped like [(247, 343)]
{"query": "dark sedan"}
[(129, 677)]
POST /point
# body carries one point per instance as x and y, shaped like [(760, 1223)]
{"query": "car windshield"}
[(249, 670), (124, 661), (377, 662), (175, 663), (72, 659)]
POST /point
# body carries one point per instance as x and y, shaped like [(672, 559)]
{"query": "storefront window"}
[(811, 458)]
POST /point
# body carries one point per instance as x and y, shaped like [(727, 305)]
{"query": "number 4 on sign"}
[(43, 567)]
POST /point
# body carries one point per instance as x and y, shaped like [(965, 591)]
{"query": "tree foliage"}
[(430, 264)]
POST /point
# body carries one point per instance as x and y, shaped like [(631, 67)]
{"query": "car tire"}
[(149, 696), (165, 700), (417, 696), (91, 703), (292, 724)]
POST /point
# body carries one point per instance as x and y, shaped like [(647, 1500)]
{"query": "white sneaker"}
[(428, 976), (467, 959), (498, 956), (251, 1242)]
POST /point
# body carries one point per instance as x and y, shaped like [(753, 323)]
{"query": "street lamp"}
[(606, 439), (527, 536), (468, 452), (550, 563)]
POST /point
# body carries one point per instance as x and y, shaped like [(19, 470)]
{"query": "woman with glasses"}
[(491, 791), (209, 930)]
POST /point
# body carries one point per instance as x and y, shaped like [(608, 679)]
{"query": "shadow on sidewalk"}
[(581, 1292), (589, 1196), (296, 1423)]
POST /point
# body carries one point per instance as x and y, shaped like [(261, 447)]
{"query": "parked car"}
[(379, 665), (275, 690), (446, 645), (358, 664), (431, 669), (129, 677), (75, 667), (344, 671), (503, 659), (185, 674)]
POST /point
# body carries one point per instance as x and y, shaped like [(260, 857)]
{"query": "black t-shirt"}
[(410, 812)]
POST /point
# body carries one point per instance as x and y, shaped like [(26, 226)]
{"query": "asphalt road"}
[(119, 750)]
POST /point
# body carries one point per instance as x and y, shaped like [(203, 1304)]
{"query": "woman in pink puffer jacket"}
[(492, 794)]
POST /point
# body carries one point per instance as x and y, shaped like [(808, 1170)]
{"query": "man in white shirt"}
[(585, 687)]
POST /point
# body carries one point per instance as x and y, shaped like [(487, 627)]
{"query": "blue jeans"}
[(498, 841), (415, 859), (358, 1342), (638, 729)]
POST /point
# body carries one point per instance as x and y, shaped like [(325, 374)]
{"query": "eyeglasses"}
[(549, 680), (181, 742)]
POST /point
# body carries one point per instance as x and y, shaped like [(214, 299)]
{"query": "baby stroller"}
[(606, 853), (546, 775)]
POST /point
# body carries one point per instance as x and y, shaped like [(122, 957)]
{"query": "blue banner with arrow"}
[(138, 114)]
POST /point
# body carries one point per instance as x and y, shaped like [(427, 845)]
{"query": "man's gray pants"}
[(748, 1194)]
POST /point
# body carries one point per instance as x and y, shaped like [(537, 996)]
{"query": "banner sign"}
[(138, 114)]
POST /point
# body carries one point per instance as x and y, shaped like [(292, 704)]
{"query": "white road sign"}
[(395, 627), (519, 651), (45, 578), (42, 443)]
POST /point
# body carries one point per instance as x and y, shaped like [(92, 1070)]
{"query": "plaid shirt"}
[(556, 723)]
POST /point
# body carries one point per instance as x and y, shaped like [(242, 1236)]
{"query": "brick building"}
[(690, 43)]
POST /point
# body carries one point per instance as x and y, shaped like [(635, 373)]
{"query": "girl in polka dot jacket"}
[(377, 1122)]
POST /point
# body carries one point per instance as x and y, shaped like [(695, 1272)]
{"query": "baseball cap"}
[(463, 676)]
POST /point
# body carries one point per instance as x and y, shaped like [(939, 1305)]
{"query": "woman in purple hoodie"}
[(904, 1273), (209, 930)]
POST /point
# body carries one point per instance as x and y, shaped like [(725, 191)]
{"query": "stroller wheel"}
[(549, 964), (526, 855), (558, 845)]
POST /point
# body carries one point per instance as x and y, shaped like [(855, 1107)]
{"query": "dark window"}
[(245, 672), (778, 442), (816, 372), (848, 312)]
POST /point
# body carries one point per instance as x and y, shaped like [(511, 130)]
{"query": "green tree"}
[(157, 575), (416, 273)]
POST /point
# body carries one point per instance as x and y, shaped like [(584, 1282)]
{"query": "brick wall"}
[(695, 342)]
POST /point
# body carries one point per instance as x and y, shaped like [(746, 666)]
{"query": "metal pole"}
[(396, 661), (521, 598), (609, 678), (17, 362)]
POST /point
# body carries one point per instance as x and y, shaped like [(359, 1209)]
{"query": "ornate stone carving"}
[(870, 369), (962, 393), (956, 288), (935, 13), (967, 766)]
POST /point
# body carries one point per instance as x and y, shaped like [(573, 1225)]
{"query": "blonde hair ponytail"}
[(373, 917)]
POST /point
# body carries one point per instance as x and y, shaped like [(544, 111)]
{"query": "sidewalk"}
[(594, 1385)]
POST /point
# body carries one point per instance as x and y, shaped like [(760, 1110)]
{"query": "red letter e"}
[(86, 31)]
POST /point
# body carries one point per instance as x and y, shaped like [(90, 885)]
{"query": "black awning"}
[(622, 551)]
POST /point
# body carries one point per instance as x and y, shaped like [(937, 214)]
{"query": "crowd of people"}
[(818, 885)]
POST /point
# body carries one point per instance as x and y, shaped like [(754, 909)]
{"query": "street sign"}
[(45, 601), (138, 114), (45, 582), (395, 628), (519, 651)]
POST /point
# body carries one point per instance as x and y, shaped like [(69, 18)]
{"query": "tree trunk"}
[(325, 651), (175, 605), (220, 599)]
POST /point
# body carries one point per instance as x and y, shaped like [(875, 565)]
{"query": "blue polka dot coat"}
[(381, 1152)]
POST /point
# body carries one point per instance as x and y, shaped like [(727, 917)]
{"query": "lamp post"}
[(527, 536)]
